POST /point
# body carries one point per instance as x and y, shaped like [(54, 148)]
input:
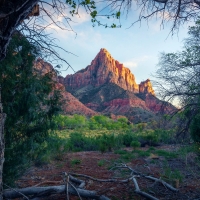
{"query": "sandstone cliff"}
[(108, 87), (70, 104), (103, 69), (146, 87)]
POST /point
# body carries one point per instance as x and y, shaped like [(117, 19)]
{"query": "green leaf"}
[(93, 14)]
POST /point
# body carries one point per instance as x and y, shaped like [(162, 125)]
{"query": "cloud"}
[(63, 20), (135, 62), (130, 64)]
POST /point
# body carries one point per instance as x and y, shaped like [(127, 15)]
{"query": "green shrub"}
[(127, 138), (127, 157), (75, 161), (106, 142), (101, 163), (143, 153), (78, 142), (120, 151), (149, 136), (172, 174), (195, 128), (166, 154), (135, 145), (151, 149), (166, 136), (141, 126)]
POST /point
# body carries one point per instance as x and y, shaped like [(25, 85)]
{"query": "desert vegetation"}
[(116, 143)]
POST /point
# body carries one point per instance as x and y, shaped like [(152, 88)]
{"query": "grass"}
[(101, 163), (120, 151), (75, 162), (166, 154), (141, 153), (172, 175), (151, 149), (127, 157)]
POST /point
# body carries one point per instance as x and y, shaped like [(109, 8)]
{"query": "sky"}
[(137, 47)]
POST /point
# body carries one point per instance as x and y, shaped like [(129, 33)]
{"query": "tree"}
[(2, 144), (29, 100), (32, 18), (179, 78), (176, 11)]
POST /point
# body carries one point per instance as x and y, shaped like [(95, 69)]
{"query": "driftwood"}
[(75, 186)]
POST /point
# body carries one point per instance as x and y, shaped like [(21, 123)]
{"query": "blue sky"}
[(137, 47)]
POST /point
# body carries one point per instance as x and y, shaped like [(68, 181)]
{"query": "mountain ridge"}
[(105, 69), (70, 104), (107, 86)]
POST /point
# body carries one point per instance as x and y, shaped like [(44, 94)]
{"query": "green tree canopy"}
[(29, 102)]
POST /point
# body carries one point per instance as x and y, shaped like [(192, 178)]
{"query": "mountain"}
[(70, 104), (105, 69), (107, 86)]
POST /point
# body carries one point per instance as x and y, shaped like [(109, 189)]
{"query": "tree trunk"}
[(2, 121), (11, 18)]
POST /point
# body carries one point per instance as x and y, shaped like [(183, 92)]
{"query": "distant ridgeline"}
[(107, 87)]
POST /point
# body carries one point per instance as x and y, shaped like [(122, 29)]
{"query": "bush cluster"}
[(93, 123)]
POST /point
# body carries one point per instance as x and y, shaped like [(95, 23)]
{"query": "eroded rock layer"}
[(105, 69), (70, 104), (107, 86)]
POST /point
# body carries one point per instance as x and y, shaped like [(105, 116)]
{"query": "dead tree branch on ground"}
[(75, 186)]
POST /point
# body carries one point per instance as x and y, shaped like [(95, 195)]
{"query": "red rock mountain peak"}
[(103, 69)]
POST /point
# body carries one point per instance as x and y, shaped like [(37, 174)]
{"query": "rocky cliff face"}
[(116, 92), (42, 67), (103, 69), (108, 87), (70, 104), (146, 87)]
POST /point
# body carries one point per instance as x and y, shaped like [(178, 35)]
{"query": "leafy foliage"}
[(95, 122), (29, 102), (195, 128), (135, 144)]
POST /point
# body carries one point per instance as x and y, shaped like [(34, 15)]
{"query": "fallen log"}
[(75, 186), (46, 191)]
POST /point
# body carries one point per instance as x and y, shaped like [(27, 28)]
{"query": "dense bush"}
[(150, 136), (94, 123), (106, 142), (79, 142), (135, 144), (29, 102), (195, 128)]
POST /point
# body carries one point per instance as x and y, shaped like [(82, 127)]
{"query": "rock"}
[(73, 106), (107, 86), (158, 106), (146, 87), (70, 104), (103, 69), (43, 68)]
